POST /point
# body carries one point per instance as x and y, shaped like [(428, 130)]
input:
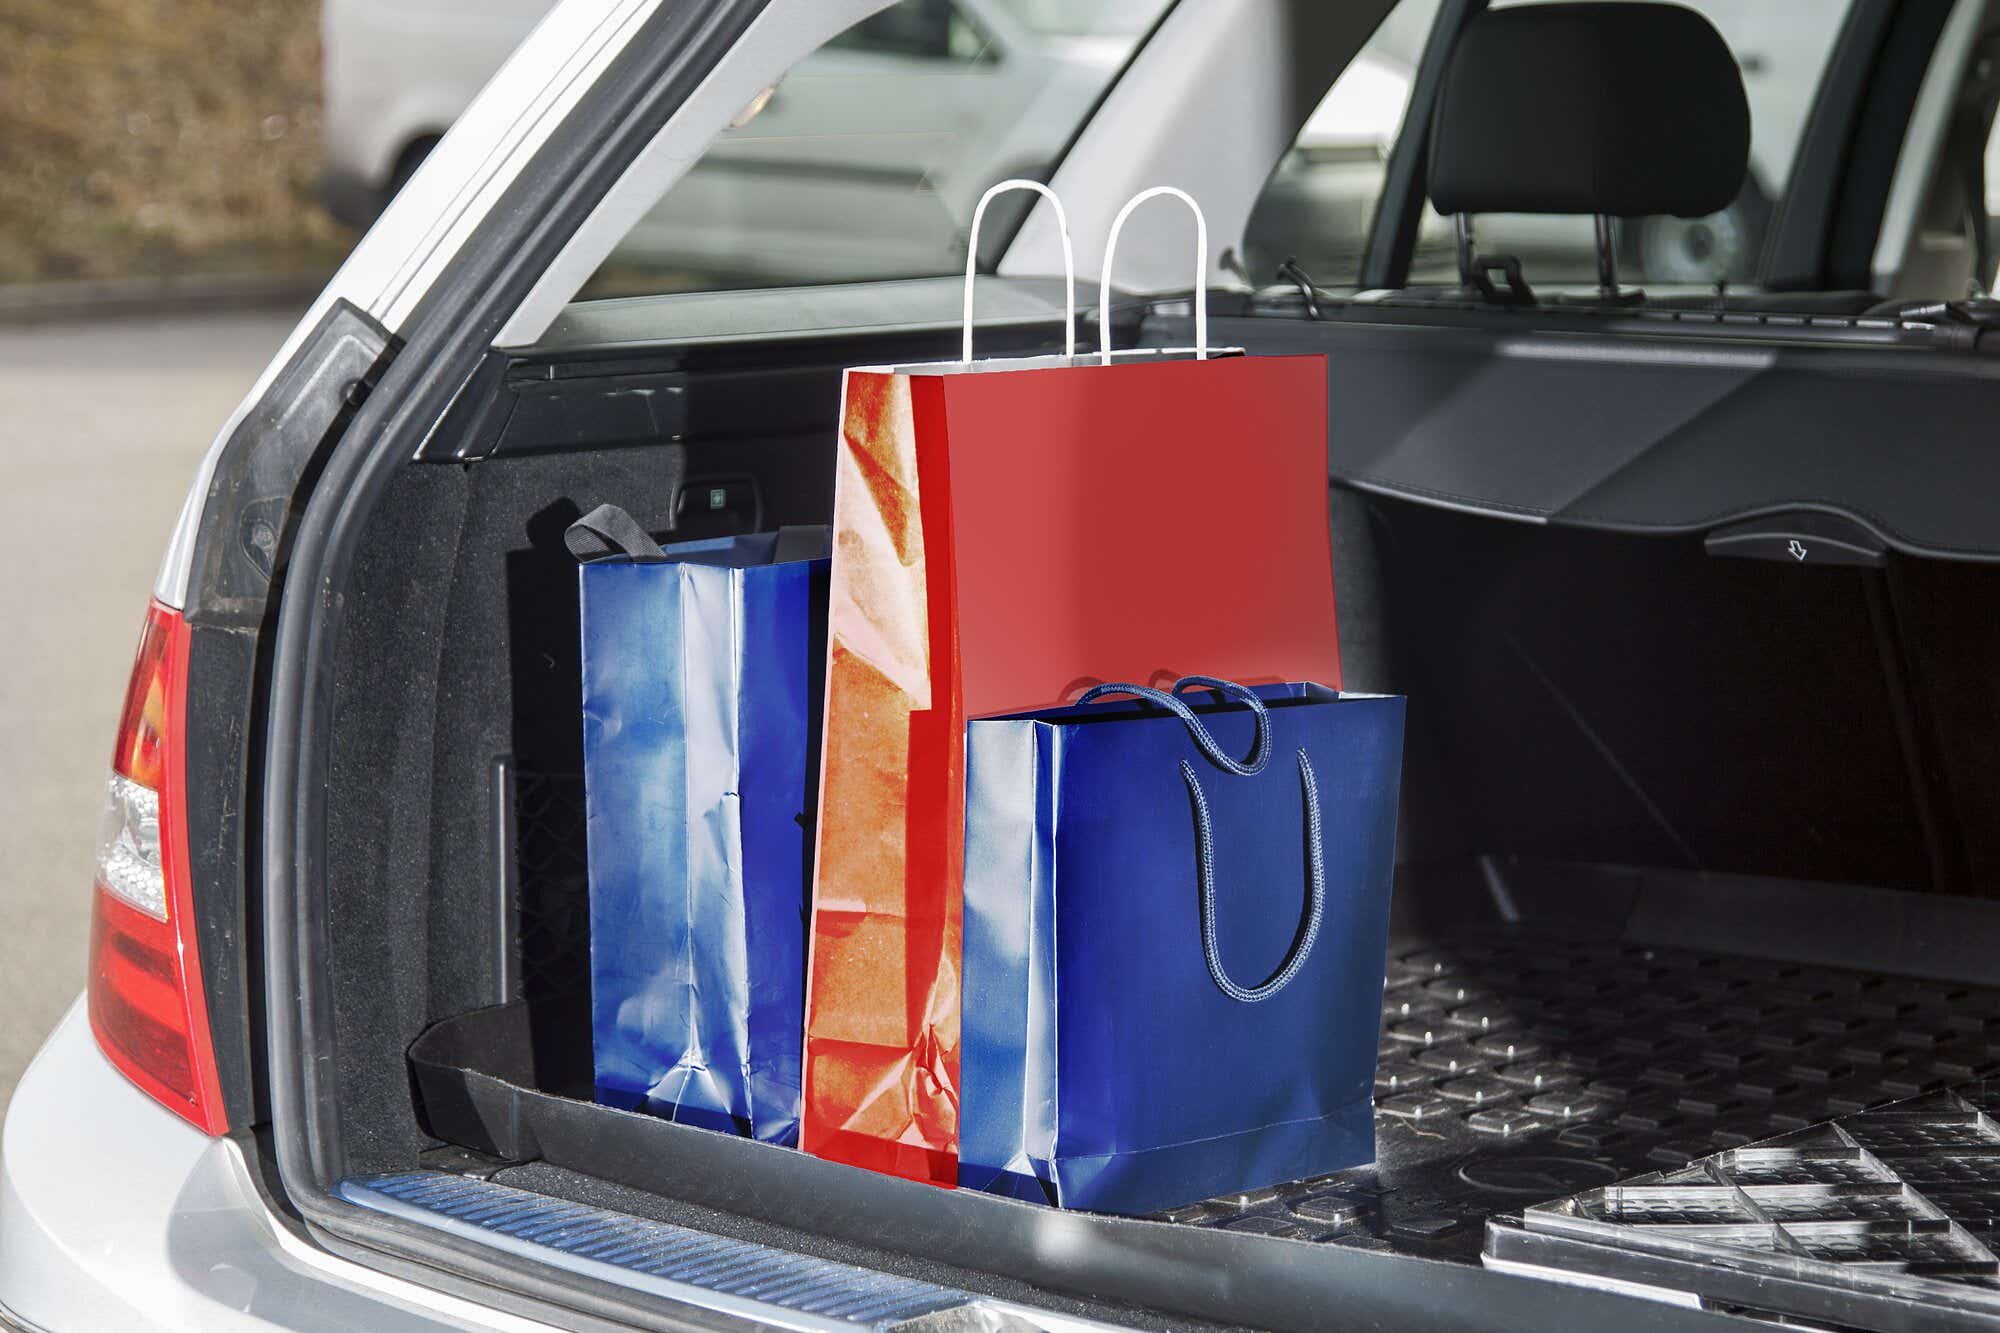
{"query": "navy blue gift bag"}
[(703, 666), (1173, 956)]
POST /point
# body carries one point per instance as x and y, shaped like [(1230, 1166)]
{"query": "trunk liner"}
[(1516, 1068)]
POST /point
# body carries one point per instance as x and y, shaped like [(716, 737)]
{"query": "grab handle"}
[(1069, 263), (1200, 271)]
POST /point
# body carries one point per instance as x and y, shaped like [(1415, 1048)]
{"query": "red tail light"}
[(146, 1001)]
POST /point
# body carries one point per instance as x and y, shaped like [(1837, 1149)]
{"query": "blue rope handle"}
[(1260, 753)]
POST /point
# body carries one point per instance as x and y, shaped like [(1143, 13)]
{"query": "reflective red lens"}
[(137, 1008), (146, 1002)]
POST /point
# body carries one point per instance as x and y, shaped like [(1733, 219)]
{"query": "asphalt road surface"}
[(101, 425)]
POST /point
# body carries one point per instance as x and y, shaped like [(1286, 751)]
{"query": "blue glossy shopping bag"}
[(703, 665), (1176, 922)]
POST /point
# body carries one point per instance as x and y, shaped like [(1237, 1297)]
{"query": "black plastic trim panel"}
[(534, 403), (240, 545), (222, 713), (1795, 258), (246, 515), (1656, 435), (1392, 232), (1879, 126)]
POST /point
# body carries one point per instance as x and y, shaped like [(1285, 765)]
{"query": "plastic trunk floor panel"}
[(1887, 1219), (1517, 1066), (1519, 1069)]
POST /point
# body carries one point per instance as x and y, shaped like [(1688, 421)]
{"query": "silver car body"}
[(116, 1214)]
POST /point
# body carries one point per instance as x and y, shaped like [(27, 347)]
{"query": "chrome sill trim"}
[(739, 1278)]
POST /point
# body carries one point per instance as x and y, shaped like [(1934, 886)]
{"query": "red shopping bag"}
[(1005, 535)]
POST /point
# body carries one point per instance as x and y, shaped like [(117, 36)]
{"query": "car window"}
[(1321, 200), (1939, 241), (923, 29), (1064, 18), (1985, 263), (1782, 48), (1317, 207), (865, 162)]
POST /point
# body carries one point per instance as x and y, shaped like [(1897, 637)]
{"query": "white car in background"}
[(806, 179)]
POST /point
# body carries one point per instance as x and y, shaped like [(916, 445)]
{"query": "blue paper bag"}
[(1173, 956), (702, 672)]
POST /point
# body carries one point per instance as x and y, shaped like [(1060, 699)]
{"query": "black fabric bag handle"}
[(608, 532)]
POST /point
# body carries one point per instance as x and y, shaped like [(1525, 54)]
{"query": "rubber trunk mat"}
[(1883, 1220), (1517, 1065), (1518, 1068)]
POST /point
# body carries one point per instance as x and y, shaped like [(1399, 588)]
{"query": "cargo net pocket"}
[(551, 887)]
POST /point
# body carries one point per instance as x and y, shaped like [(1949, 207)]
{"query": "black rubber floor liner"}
[(1885, 1220), (1515, 1068), (504, 1082)]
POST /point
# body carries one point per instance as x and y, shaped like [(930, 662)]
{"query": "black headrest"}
[(1620, 108)]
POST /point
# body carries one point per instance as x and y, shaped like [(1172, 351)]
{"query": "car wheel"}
[(406, 166)]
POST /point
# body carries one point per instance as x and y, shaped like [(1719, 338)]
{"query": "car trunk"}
[(1697, 841)]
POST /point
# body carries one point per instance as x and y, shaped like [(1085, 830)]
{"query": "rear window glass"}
[(865, 162), (1782, 47), (1320, 203)]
